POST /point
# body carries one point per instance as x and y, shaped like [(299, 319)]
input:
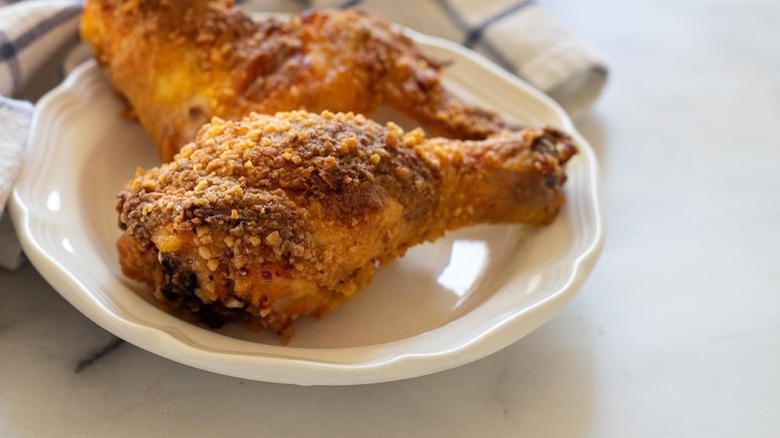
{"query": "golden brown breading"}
[(272, 217), (181, 62)]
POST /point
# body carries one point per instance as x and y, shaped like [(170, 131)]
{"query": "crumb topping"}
[(275, 216)]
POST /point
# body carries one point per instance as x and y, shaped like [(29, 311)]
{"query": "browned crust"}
[(181, 62), (272, 217)]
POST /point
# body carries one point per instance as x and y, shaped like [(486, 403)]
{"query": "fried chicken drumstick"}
[(181, 62), (272, 217)]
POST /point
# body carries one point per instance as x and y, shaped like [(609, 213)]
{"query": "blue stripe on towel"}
[(9, 49), (7, 55), (487, 46), (305, 4), (475, 33), (349, 4)]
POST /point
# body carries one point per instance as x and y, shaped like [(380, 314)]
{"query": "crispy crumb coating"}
[(272, 217), (181, 62)]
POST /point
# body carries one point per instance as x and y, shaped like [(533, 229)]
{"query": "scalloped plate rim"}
[(306, 371)]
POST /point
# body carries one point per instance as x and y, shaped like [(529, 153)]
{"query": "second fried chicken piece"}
[(181, 62), (273, 217)]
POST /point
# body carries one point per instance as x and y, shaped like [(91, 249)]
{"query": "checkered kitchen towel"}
[(517, 34)]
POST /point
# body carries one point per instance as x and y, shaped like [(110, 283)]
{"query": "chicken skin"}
[(272, 217), (178, 63)]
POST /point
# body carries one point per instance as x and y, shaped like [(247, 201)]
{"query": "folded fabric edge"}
[(15, 116), (578, 94)]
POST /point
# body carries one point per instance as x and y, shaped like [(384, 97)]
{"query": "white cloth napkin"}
[(30, 32), (519, 35)]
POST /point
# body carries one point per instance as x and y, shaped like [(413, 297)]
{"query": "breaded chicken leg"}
[(181, 62), (272, 217)]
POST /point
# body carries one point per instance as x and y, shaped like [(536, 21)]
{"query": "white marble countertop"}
[(675, 334)]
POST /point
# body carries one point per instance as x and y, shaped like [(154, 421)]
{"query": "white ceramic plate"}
[(442, 305)]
